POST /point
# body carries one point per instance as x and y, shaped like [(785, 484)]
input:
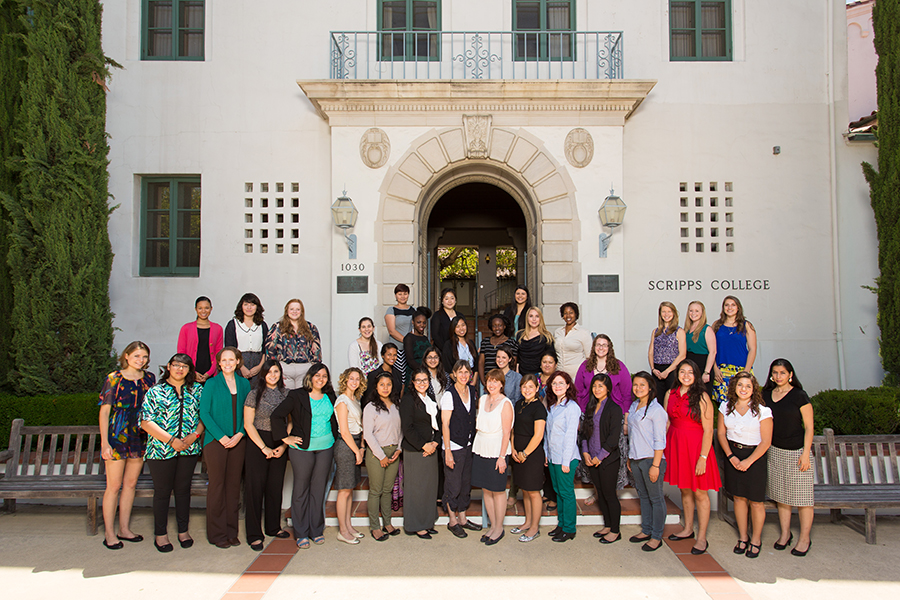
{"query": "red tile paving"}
[(716, 581)]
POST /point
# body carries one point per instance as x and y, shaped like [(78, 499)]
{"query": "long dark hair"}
[(249, 298), (510, 311), (651, 383), (695, 392), (785, 364), (372, 393), (740, 322), (260, 387), (327, 389), (373, 343), (455, 339), (587, 429), (184, 359), (412, 390), (756, 399), (439, 372)]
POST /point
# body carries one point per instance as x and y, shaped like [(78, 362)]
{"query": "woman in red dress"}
[(688, 449)]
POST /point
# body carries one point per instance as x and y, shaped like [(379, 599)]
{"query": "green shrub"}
[(858, 412), (71, 409)]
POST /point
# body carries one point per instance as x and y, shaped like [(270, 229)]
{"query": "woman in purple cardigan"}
[(603, 360), (201, 340)]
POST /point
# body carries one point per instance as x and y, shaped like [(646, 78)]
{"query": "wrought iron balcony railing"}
[(476, 55)]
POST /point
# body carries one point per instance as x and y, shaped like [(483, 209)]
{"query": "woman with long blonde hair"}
[(348, 449), (668, 348), (534, 341), (295, 343), (701, 342)]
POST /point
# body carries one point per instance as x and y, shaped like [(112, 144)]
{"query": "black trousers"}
[(458, 481), (172, 474), (604, 478), (224, 467), (664, 385), (263, 488)]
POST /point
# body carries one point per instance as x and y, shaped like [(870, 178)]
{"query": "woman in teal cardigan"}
[(222, 413)]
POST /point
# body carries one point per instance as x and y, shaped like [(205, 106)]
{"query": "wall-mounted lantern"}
[(344, 214)]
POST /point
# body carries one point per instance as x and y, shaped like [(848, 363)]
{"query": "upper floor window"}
[(543, 17), (411, 19), (170, 225), (172, 29), (700, 29)]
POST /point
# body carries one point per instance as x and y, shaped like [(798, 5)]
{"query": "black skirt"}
[(486, 476), (749, 484), (529, 475)]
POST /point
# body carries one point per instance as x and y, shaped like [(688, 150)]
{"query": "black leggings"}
[(604, 478), (172, 474)]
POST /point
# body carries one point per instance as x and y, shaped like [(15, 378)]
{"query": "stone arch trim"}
[(517, 162)]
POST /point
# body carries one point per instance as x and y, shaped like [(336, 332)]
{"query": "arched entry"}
[(513, 161), (483, 218)]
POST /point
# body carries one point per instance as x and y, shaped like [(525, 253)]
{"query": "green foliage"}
[(12, 71), (72, 409), (858, 412), (59, 255), (884, 185), (465, 266)]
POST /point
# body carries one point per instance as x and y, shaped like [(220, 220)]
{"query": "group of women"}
[(553, 405)]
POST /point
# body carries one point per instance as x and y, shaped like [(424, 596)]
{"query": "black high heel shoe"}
[(741, 546), (778, 546), (751, 553), (796, 552)]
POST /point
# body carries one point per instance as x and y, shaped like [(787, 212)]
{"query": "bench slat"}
[(89, 466), (51, 459), (26, 459)]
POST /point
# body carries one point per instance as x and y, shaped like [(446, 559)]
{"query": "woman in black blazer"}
[(459, 347), (311, 450), (421, 435), (600, 450)]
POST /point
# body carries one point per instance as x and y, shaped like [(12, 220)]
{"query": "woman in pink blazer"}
[(201, 340)]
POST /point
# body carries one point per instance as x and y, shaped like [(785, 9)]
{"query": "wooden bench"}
[(64, 462), (849, 472)]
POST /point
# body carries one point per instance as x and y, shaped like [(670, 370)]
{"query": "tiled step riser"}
[(512, 520)]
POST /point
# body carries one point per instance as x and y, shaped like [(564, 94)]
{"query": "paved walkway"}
[(44, 553)]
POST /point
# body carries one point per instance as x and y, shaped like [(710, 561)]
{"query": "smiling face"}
[(366, 329), (601, 347), (138, 359), (640, 387), (319, 380), (686, 375), (420, 382), (461, 329), (273, 376), (203, 309), (228, 362), (353, 381), (559, 386), (462, 375), (521, 296), (449, 300), (730, 307), (744, 388), (493, 386), (534, 318), (780, 375), (502, 359), (548, 365), (248, 308), (666, 314), (390, 356), (294, 311), (419, 324), (529, 390), (569, 316), (432, 360), (599, 390), (498, 327), (177, 372), (402, 297), (695, 311)]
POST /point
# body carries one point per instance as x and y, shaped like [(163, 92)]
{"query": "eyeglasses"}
[(559, 384), (420, 380), (178, 366)]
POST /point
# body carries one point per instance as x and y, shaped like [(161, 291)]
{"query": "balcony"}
[(422, 55)]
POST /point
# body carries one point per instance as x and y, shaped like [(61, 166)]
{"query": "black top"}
[(204, 360), (462, 422), (610, 428), (523, 424), (787, 422), (530, 353), (416, 423), (440, 327), (449, 360), (414, 349), (297, 405), (231, 335)]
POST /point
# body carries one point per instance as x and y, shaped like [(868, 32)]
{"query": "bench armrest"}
[(5, 455)]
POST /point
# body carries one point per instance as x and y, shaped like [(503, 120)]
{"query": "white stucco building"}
[(718, 123)]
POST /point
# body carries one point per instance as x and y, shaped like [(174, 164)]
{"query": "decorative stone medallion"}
[(374, 148), (477, 128), (579, 147)]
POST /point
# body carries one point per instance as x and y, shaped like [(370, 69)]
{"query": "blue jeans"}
[(653, 502)]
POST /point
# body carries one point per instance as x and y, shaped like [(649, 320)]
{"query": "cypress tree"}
[(884, 185), (12, 71), (60, 256)]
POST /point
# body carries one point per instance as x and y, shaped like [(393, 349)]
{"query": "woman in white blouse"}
[(573, 343), (247, 332), (745, 434)]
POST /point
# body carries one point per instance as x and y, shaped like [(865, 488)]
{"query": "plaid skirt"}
[(786, 484)]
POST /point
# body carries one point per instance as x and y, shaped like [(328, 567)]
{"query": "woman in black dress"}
[(528, 456), (440, 321), (389, 355)]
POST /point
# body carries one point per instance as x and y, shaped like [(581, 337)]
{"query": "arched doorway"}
[(477, 245)]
